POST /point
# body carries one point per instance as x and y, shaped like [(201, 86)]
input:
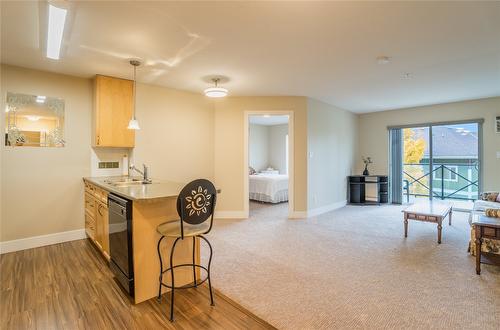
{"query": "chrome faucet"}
[(145, 173)]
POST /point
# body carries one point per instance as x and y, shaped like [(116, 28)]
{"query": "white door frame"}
[(291, 153)]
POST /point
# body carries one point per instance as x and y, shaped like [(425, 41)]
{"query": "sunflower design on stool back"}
[(198, 202)]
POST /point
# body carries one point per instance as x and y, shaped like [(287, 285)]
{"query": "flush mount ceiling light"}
[(216, 91), (133, 123), (383, 60), (57, 19), (40, 99), (33, 118)]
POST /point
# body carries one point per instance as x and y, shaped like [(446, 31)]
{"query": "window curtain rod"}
[(456, 122)]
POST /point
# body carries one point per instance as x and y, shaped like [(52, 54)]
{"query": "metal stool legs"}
[(194, 262), (208, 270), (172, 267)]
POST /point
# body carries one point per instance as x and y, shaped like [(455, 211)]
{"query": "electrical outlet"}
[(498, 154)]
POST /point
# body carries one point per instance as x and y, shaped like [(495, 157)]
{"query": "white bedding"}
[(271, 188)]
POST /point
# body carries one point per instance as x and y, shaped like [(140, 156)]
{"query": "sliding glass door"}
[(440, 161)]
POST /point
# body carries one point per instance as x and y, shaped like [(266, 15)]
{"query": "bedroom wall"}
[(332, 142), (374, 134), (258, 147), (277, 147)]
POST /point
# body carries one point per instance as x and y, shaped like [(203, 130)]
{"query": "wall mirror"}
[(34, 121)]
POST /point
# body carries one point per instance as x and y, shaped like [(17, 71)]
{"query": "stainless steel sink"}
[(125, 182)]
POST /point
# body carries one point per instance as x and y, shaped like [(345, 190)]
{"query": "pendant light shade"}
[(133, 123), (216, 91)]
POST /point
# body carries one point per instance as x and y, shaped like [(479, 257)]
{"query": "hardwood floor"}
[(69, 286)]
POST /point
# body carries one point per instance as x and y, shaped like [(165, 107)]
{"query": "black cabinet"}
[(357, 185)]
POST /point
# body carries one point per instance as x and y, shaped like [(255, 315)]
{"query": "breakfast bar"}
[(134, 243)]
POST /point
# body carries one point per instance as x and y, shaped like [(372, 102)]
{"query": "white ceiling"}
[(268, 120), (324, 50)]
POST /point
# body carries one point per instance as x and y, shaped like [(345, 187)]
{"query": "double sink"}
[(127, 182)]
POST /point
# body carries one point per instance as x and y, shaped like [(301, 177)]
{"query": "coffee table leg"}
[(451, 211), (406, 225), (478, 250), (440, 227)]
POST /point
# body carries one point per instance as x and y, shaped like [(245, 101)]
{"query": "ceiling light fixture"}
[(383, 60), (133, 123), (33, 118), (40, 99), (57, 18), (216, 91)]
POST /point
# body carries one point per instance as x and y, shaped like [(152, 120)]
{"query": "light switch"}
[(498, 154)]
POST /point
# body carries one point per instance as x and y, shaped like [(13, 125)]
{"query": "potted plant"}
[(367, 161)]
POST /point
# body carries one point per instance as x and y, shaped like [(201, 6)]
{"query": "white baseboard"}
[(298, 215), (327, 208), (230, 215), (42, 240)]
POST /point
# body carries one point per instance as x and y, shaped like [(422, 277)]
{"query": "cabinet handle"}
[(98, 139), (99, 209)]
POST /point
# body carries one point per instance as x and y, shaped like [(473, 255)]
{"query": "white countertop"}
[(157, 189)]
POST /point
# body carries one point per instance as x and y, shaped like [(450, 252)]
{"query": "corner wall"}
[(332, 143)]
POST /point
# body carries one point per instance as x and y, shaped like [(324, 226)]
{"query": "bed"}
[(269, 188)]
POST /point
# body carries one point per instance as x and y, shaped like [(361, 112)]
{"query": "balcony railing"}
[(447, 181)]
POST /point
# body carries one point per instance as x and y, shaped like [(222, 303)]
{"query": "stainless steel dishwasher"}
[(120, 241)]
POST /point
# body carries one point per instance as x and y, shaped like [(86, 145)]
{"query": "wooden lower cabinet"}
[(96, 217)]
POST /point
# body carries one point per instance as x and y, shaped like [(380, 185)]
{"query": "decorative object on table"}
[(367, 161), (251, 170)]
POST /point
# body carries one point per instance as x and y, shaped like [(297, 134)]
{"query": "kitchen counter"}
[(138, 192)]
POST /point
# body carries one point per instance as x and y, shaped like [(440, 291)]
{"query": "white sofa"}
[(489, 245)]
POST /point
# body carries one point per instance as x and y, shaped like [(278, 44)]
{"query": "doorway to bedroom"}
[(268, 164)]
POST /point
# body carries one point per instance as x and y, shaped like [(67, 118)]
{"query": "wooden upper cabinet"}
[(113, 109)]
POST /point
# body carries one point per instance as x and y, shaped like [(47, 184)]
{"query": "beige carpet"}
[(352, 268)]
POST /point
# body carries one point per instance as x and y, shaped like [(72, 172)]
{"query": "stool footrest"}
[(185, 286)]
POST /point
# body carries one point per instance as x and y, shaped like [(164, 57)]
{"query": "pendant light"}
[(216, 91), (133, 123)]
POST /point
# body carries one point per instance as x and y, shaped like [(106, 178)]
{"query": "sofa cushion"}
[(490, 196), (480, 205)]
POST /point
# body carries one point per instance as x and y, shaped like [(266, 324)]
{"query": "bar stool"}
[(195, 205)]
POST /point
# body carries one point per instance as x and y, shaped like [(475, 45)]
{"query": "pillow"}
[(489, 196), (251, 170), (495, 213)]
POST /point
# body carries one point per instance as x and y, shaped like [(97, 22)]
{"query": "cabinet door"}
[(105, 230), (113, 110)]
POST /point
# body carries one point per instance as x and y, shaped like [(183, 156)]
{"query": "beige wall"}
[(332, 146), (277, 147), (176, 136), (373, 135), (230, 169), (258, 147), (42, 189)]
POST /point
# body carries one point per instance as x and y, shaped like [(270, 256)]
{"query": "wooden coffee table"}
[(428, 211)]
